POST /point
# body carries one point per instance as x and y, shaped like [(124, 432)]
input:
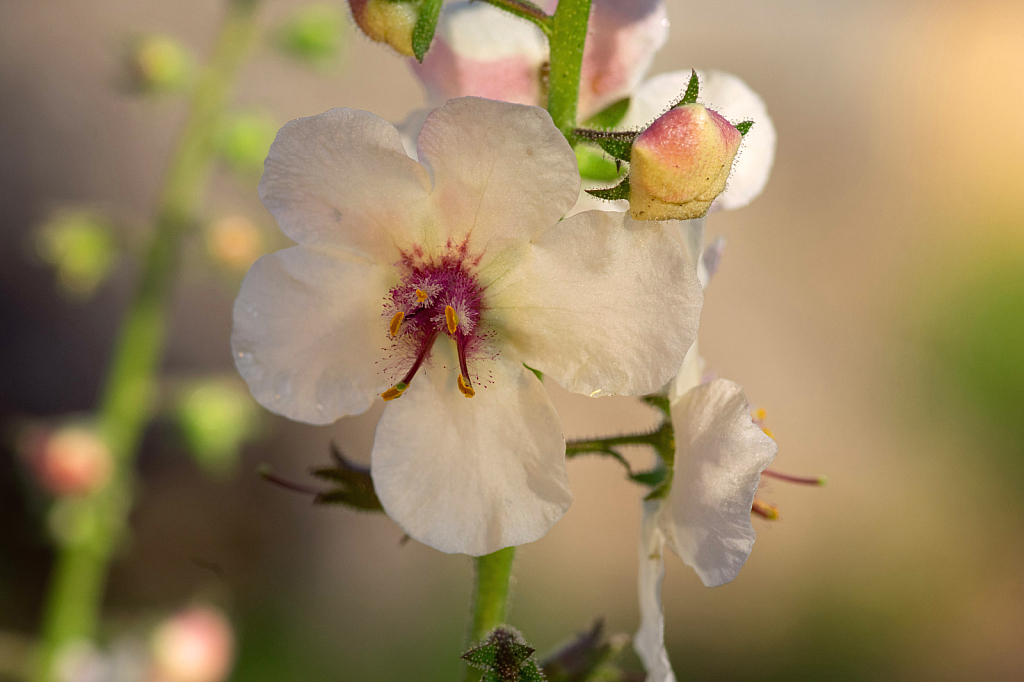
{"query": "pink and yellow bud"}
[(387, 22), (680, 164), (69, 461), (196, 645)]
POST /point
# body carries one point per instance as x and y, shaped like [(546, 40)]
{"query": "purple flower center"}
[(435, 298)]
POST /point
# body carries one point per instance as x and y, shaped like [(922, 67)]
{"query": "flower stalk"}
[(526, 10), (568, 35), (493, 574), (76, 587)]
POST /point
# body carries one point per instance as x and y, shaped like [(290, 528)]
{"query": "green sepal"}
[(426, 24), (536, 372), (530, 672), (482, 657), (610, 116), (595, 165), (659, 493), (354, 484), (587, 658), (620, 191), (692, 91), (652, 478), (619, 149), (744, 127), (491, 676)]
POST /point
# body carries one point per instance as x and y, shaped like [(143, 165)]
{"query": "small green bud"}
[(81, 247), (595, 165), (158, 64), (387, 21), (244, 140), (216, 417), (314, 34)]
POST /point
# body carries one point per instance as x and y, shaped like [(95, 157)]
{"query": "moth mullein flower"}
[(719, 456), (483, 51), (433, 285)]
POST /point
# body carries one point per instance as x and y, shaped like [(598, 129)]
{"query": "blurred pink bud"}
[(72, 460), (235, 242), (482, 51), (195, 645), (622, 39), (681, 163), (387, 21)]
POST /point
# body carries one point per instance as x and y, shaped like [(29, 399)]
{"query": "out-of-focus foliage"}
[(244, 139), (314, 34), (157, 64), (216, 418), (81, 247)]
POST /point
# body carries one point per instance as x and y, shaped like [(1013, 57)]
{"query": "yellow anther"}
[(451, 318), (395, 391), (768, 432), (765, 510), (466, 389), (396, 322), (421, 295), (760, 414)]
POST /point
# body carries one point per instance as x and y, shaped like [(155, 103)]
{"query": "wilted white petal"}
[(482, 51), (343, 179), (308, 332), (603, 304), (720, 454), (502, 172), (649, 641), (733, 99), (472, 475)]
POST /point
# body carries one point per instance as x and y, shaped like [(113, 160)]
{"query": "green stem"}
[(525, 10), (568, 35), (493, 574), (76, 589)]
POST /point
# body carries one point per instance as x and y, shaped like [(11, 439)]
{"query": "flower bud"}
[(68, 461), (314, 34), (158, 64), (196, 645), (387, 21), (216, 417), (234, 242), (82, 249), (681, 163)]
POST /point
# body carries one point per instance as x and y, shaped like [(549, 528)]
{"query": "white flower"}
[(720, 454), (435, 281)]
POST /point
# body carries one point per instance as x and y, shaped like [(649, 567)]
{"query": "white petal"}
[(649, 641), (343, 179), (690, 375), (409, 130), (502, 172), (622, 39), (733, 99), (720, 454), (603, 304), (472, 475), (308, 332), (482, 51)]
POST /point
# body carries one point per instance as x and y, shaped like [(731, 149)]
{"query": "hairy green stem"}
[(525, 10), (568, 35), (490, 599), (77, 584)]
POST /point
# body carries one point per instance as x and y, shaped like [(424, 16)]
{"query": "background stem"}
[(76, 586), (568, 35)]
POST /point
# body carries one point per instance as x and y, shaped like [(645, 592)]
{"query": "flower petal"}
[(622, 39), (343, 179), (308, 332), (720, 454), (472, 475), (649, 641), (603, 304), (733, 99), (482, 51), (502, 172)]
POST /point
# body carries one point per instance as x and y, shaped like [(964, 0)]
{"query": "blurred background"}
[(871, 300)]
